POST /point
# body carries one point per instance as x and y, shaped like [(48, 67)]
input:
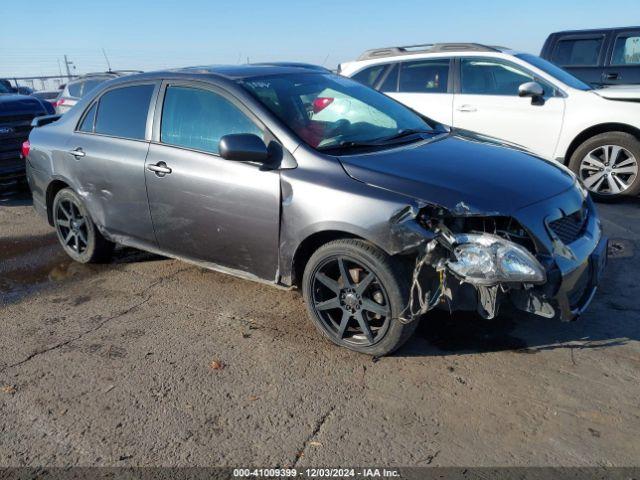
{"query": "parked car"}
[(606, 56), (78, 88), (377, 221), (520, 98), (21, 89), (16, 113), (6, 86), (49, 95)]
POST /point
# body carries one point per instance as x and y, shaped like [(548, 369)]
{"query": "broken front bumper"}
[(574, 269), (570, 247), (569, 292)]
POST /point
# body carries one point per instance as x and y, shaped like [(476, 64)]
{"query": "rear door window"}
[(197, 119), (424, 76), (626, 50), (122, 112), (578, 51)]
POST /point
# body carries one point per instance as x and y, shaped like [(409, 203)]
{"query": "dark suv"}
[(297, 177), (16, 113), (607, 56)]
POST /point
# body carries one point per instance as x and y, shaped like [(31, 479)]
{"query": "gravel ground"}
[(154, 362)]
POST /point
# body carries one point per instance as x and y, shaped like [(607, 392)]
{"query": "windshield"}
[(3, 88), (555, 71), (328, 111)]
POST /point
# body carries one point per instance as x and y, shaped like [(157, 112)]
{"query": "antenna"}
[(107, 59)]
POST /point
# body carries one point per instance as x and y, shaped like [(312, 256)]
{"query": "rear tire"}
[(608, 165), (77, 234), (355, 294)]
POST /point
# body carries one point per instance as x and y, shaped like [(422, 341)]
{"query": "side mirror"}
[(531, 89), (243, 147)]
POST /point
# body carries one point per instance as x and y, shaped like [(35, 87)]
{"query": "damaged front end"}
[(473, 261)]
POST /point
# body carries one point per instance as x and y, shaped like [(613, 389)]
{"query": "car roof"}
[(429, 48), (362, 63), (593, 30), (239, 72), (227, 72)]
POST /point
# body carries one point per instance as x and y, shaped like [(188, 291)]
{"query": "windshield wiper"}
[(404, 133), (380, 142), (346, 144)]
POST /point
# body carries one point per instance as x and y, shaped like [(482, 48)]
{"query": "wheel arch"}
[(53, 188), (597, 130), (310, 244)]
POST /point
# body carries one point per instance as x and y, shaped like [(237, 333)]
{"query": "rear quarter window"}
[(122, 112), (87, 122), (369, 76)]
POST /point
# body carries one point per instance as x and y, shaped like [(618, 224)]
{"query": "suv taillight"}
[(58, 102), (26, 146)]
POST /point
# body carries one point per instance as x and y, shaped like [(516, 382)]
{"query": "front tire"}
[(78, 235), (355, 294), (607, 165)]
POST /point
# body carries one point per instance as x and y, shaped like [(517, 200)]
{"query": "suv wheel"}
[(355, 294), (607, 164), (76, 232)]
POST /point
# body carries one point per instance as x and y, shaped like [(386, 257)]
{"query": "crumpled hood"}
[(462, 174), (619, 92), (11, 103)]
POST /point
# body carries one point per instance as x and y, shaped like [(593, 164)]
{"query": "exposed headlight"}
[(485, 259)]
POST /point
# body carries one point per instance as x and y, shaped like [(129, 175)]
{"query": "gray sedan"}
[(293, 176)]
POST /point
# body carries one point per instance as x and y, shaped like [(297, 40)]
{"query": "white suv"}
[(520, 98)]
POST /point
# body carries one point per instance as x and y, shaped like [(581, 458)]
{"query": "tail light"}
[(58, 102), (321, 103), (26, 147)]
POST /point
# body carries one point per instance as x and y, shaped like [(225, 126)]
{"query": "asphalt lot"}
[(119, 364)]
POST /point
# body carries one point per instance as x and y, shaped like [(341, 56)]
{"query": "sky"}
[(150, 35)]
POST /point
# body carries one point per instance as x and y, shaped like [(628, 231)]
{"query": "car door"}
[(205, 207), (623, 65), (488, 103), (423, 85), (108, 151)]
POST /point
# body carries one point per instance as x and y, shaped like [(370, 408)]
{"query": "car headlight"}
[(485, 259)]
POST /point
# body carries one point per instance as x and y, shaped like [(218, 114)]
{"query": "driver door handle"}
[(467, 108), (78, 152), (159, 169)]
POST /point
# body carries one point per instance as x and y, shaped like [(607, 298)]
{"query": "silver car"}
[(377, 213)]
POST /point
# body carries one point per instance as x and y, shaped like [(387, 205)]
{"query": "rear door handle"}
[(78, 152), (160, 169), (467, 108)]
